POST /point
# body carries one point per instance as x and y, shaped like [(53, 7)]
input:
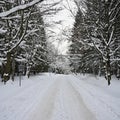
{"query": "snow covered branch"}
[(18, 8), (22, 37)]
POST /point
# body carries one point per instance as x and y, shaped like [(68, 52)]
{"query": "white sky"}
[(65, 16), (67, 23)]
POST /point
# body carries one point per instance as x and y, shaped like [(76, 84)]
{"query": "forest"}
[(94, 40)]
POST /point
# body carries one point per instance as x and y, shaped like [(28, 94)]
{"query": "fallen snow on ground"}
[(60, 97)]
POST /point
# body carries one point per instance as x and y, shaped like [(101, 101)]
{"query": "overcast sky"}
[(67, 23), (65, 15)]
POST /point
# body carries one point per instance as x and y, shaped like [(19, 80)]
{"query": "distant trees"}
[(98, 36), (58, 62)]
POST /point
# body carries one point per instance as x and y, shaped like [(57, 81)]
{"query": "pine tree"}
[(100, 22), (15, 24), (104, 18), (76, 46)]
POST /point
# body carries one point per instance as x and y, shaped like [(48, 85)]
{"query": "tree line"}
[(95, 38), (23, 40)]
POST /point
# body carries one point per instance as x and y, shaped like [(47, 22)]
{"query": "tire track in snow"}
[(77, 108), (89, 91), (69, 104), (61, 102), (28, 97), (45, 107)]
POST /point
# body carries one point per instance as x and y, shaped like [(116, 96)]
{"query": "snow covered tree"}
[(76, 47), (16, 26), (102, 28), (36, 44), (80, 51), (100, 22), (23, 28)]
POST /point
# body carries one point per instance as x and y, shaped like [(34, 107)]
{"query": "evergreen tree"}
[(100, 26), (16, 24)]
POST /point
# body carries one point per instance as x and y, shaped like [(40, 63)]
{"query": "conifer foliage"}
[(22, 37), (96, 36)]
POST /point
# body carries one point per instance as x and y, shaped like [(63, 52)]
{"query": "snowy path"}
[(70, 105), (62, 102), (58, 97)]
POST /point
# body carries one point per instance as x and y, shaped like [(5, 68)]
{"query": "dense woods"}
[(96, 38), (23, 43), (59, 59)]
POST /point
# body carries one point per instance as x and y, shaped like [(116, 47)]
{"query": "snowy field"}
[(60, 97)]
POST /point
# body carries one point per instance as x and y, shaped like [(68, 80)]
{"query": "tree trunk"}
[(118, 73), (13, 69), (100, 70), (2, 70), (28, 71), (8, 67), (108, 68)]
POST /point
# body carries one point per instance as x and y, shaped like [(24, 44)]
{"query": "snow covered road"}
[(61, 102), (58, 97)]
